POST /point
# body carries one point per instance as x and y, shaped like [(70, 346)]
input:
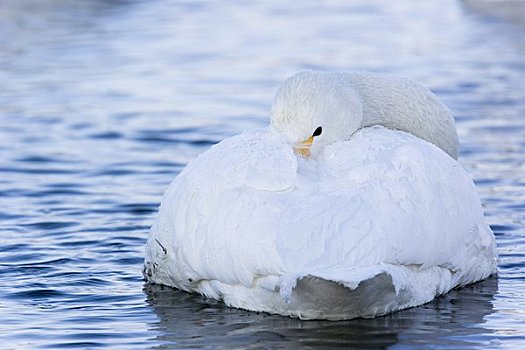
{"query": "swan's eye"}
[(318, 131)]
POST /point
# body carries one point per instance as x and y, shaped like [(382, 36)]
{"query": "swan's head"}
[(313, 109)]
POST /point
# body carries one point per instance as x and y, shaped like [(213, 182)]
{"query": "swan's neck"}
[(401, 104)]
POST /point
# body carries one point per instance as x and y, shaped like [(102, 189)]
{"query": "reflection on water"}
[(511, 10), (103, 102), (452, 320)]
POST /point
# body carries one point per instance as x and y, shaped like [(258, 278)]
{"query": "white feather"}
[(370, 225)]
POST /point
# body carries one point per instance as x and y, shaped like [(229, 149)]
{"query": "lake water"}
[(103, 102)]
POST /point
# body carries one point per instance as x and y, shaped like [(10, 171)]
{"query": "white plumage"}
[(375, 220)]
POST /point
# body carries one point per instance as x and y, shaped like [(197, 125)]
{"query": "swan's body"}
[(370, 225)]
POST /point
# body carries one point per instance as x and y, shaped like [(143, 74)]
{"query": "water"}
[(103, 102)]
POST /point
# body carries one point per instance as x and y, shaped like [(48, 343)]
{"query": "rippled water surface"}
[(103, 102)]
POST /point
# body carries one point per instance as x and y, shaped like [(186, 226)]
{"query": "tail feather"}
[(315, 297)]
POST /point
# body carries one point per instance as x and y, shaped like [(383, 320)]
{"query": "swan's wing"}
[(388, 199), (217, 220), (259, 160)]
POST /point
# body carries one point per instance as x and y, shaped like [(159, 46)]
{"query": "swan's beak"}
[(303, 148)]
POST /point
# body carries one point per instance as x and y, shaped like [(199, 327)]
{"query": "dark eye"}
[(318, 131)]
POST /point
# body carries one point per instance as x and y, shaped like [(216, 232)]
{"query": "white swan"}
[(359, 221)]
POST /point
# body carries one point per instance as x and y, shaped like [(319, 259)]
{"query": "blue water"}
[(103, 102)]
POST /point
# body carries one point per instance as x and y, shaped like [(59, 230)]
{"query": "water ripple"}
[(104, 102)]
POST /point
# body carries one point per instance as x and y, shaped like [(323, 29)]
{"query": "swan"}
[(350, 204)]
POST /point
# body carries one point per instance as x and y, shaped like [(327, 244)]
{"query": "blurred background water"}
[(102, 102)]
